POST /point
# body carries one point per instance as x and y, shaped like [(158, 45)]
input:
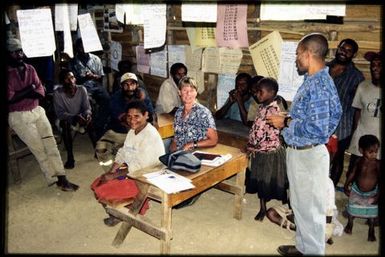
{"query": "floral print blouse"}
[(262, 136), (194, 126)]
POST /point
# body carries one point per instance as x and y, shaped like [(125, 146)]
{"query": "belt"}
[(304, 147)]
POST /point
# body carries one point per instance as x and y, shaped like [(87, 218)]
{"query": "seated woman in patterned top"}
[(194, 124)]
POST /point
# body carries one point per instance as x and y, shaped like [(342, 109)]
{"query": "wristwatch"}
[(195, 145), (286, 120)]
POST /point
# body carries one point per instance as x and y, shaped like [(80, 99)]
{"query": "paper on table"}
[(169, 181), (213, 162)]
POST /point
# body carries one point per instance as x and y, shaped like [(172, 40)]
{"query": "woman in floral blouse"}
[(194, 125), (268, 175)]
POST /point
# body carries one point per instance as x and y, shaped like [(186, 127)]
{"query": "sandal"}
[(111, 221)]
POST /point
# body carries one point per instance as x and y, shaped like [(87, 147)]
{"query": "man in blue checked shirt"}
[(314, 115)]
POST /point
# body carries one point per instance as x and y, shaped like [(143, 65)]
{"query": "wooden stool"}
[(16, 150)]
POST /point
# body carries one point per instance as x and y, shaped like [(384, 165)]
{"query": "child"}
[(268, 157), (362, 185)]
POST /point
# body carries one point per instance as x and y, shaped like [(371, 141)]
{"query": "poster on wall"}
[(116, 54), (266, 53), (88, 33), (111, 22), (36, 32), (231, 29)]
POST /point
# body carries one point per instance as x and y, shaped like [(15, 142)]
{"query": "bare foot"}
[(348, 229), (260, 216)]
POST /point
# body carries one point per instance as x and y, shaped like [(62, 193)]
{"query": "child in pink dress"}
[(268, 176)]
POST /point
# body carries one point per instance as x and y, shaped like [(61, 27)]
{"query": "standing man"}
[(28, 119), (168, 99), (314, 115), (88, 71), (346, 78)]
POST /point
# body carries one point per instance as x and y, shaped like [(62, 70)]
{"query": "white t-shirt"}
[(168, 97), (141, 150), (368, 100)]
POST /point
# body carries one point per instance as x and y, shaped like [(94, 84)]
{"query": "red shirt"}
[(15, 83)]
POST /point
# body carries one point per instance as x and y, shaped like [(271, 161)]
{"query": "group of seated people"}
[(124, 132)]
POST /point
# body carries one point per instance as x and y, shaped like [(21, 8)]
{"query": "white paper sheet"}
[(289, 80), (116, 54), (89, 35), (36, 32), (199, 12), (229, 60), (226, 82), (169, 181), (158, 63), (66, 13), (210, 60), (266, 53), (154, 23)]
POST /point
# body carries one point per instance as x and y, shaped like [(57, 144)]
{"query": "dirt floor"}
[(45, 220)]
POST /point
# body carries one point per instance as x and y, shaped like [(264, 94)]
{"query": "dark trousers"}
[(337, 164), (68, 139), (101, 108)]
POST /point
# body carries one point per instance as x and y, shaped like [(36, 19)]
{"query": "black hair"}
[(255, 79), (63, 74), (316, 43), (351, 42), (176, 66), (269, 83), (137, 104), (243, 75), (367, 141)]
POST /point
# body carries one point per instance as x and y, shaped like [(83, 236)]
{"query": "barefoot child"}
[(362, 185), (267, 155)]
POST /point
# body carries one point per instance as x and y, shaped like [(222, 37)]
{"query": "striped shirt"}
[(346, 84)]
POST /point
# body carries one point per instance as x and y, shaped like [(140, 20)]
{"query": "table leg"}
[(165, 224), (134, 209), (240, 183)]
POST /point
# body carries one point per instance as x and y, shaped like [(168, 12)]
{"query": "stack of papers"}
[(169, 181), (210, 159)]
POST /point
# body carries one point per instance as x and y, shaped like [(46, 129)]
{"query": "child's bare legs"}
[(349, 227), (262, 212), (371, 235)]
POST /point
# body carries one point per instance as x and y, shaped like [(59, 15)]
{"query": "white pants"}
[(34, 129), (308, 171)]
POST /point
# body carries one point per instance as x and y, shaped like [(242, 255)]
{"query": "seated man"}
[(238, 102), (73, 109), (88, 71), (113, 139), (168, 99), (124, 66)]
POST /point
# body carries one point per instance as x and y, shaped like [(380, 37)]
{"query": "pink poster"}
[(232, 26)]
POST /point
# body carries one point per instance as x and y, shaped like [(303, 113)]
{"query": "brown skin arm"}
[(357, 116), (114, 172), (350, 178), (276, 121)]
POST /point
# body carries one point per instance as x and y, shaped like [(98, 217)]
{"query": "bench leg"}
[(134, 209)]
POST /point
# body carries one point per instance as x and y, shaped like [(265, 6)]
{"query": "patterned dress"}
[(268, 158), (194, 126)]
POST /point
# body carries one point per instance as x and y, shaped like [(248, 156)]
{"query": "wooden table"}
[(206, 178), (232, 132), (166, 125)]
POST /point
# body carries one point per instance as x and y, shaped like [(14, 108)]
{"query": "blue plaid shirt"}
[(315, 111)]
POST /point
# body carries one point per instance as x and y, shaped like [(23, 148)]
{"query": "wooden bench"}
[(232, 132), (16, 150)]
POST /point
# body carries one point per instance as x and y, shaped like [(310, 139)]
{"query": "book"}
[(212, 159), (169, 181)]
